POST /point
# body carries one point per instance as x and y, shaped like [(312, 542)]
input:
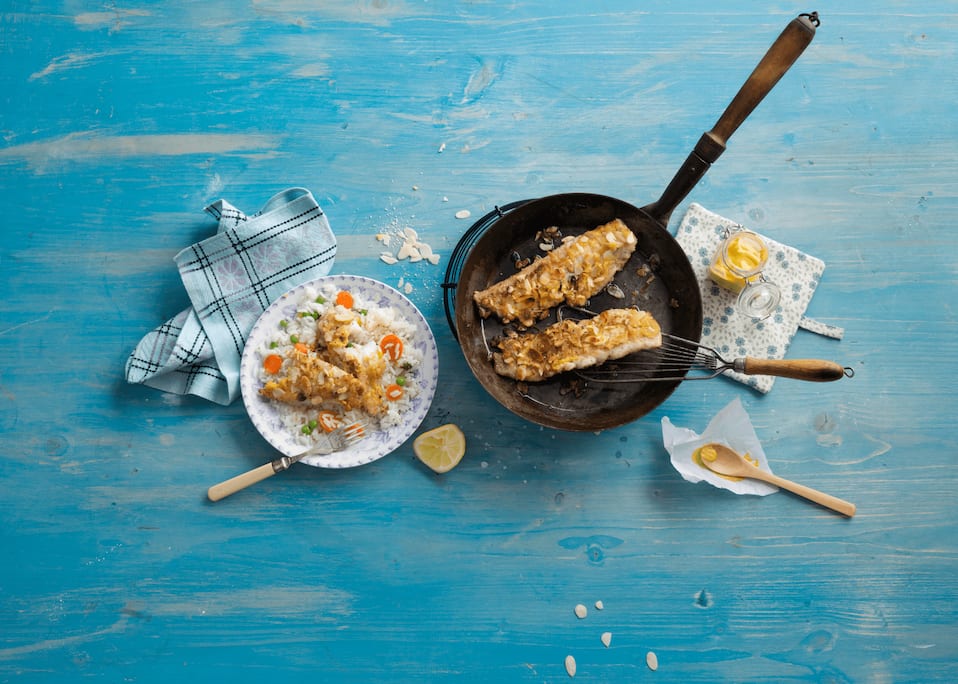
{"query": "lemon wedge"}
[(441, 448)]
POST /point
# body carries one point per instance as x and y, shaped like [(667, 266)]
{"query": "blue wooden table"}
[(121, 122)]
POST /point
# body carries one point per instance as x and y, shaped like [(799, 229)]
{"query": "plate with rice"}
[(332, 351)]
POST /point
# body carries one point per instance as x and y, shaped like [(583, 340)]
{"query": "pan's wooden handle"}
[(780, 56), (814, 370), (787, 48)]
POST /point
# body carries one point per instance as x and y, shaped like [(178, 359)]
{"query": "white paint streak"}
[(480, 81), (63, 642), (279, 600), (314, 70), (6, 331), (215, 186), (375, 12), (84, 147), (69, 61), (114, 19)]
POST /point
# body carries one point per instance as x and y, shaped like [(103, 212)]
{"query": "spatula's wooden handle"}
[(235, 484), (814, 370), (826, 500)]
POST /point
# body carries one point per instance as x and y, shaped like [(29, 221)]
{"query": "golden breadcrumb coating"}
[(571, 273), (314, 380), (570, 344)]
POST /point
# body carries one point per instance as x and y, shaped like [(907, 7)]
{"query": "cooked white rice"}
[(303, 419)]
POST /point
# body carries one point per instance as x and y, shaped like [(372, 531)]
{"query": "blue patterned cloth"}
[(231, 278), (732, 334)]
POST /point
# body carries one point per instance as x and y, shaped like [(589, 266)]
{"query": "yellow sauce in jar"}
[(743, 254)]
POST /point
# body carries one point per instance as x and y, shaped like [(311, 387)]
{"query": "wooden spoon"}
[(728, 462)]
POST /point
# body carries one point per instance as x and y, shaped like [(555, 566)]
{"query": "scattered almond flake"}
[(442, 147), (415, 188), (408, 288), (599, 605), (410, 247), (606, 638), (581, 611), (463, 214), (652, 661), (570, 665), (400, 283), (445, 199)]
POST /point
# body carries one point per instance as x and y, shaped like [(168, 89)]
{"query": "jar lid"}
[(759, 299)]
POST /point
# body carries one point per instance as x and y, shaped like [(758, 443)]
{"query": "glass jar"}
[(738, 266)]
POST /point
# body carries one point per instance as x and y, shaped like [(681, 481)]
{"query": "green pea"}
[(312, 425), (273, 345), (294, 338), (307, 430), (283, 323), (401, 380), (320, 300)]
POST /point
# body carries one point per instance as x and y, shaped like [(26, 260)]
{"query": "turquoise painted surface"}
[(120, 123)]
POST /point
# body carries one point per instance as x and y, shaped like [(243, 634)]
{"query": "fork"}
[(339, 439)]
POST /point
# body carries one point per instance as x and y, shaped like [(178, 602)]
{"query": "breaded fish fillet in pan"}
[(571, 344), (571, 273)]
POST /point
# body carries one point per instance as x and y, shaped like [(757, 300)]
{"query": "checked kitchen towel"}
[(231, 278)]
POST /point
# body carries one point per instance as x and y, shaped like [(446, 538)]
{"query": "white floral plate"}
[(266, 415)]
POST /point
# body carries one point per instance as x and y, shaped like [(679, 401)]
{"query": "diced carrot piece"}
[(272, 364), (329, 421), (391, 346)]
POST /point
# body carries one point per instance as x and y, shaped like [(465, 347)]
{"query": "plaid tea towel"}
[(733, 335), (231, 278)]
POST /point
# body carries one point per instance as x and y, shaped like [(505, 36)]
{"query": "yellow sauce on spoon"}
[(707, 453)]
